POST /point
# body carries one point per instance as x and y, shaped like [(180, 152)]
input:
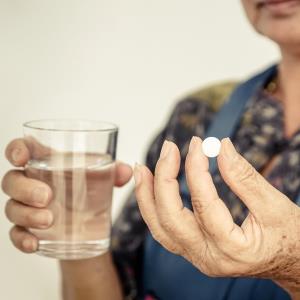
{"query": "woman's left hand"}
[(266, 245)]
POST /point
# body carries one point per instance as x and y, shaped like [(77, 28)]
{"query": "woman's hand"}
[(29, 198), (267, 244)]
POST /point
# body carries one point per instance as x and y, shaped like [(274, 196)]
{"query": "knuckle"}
[(248, 174), (244, 172), (162, 183), (199, 205), (167, 224), (38, 194)]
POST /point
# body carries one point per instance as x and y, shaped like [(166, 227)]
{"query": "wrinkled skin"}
[(266, 245)]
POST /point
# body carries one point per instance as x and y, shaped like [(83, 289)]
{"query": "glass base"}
[(67, 250)]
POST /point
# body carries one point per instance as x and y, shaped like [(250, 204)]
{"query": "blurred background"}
[(123, 61)]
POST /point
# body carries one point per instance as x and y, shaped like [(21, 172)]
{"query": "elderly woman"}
[(245, 246)]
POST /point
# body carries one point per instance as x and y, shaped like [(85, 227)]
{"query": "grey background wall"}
[(122, 61)]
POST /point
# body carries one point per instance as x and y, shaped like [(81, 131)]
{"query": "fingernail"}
[(40, 196), (29, 245), (15, 155), (228, 148), (193, 144), (137, 174), (44, 219), (165, 149)]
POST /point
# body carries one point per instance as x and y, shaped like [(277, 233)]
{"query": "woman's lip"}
[(275, 1), (270, 2), (279, 7)]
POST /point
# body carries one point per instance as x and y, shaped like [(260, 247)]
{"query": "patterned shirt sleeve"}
[(190, 117)]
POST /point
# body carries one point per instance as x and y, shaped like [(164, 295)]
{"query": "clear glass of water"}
[(76, 158)]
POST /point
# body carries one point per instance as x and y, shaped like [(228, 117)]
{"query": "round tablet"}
[(211, 147)]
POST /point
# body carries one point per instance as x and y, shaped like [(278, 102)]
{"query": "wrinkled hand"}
[(27, 207), (266, 245)]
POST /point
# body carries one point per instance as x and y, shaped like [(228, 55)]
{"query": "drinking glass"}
[(76, 158)]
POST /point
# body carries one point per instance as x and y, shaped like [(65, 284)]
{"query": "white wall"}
[(123, 61)]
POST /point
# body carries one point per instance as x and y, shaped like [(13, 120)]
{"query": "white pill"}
[(211, 147)]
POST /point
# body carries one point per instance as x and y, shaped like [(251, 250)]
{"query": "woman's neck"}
[(289, 91)]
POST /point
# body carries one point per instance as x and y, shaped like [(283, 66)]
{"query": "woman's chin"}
[(289, 45), (283, 33)]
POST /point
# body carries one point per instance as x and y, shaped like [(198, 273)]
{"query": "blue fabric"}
[(170, 277)]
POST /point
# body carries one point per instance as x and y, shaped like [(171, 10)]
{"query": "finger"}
[(123, 174), (257, 194), (166, 187), (209, 209), (26, 190), (23, 240), (17, 153), (145, 198), (178, 221), (27, 216)]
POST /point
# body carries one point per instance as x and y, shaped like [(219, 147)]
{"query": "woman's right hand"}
[(29, 198)]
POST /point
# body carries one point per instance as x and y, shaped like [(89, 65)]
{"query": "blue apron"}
[(167, 276)]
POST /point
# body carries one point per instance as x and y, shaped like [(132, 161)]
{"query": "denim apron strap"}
[(170, 277)]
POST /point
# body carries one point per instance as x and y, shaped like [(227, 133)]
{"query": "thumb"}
[(123, 174), (242, 178)]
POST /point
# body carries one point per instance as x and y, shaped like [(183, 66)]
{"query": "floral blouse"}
[(259, 137)]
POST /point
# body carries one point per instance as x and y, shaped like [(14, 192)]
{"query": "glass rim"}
[(106, 126)]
